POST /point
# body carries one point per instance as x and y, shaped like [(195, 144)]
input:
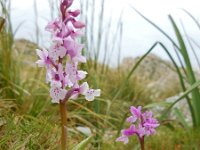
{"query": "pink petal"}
[(68, 3), (39, 53), (79, 59), (131, 119), (89, 97), (136, 111), (81, 74), (97, 92), (123, 139), (78, 24), (84, 88), (74, 13), (40, 63)]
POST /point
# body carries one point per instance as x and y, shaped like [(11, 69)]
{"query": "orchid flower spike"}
[(63, 57)]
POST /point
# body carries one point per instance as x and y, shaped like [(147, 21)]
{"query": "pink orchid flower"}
[(44, 58), (64, 79), (142, 124)]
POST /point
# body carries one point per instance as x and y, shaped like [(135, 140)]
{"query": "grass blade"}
[(189, 90), (181, 118), (193, 18), (190, 73), (157, 27), (83, 144), (191, 46)]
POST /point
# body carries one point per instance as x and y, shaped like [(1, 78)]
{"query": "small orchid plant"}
[(61, 61), (142, 124)]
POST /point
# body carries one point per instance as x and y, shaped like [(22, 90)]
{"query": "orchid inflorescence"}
[(62, 58), (142, 124)]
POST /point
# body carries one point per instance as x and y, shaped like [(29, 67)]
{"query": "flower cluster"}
[(141, 124), (62, 58)]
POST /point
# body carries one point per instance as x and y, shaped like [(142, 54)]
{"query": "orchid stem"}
[(63, 114), (141, 142)]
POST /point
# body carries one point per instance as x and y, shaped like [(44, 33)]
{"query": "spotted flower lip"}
[(141, 125), (57, 51), (91, 93), (63, 57), (56, 92)]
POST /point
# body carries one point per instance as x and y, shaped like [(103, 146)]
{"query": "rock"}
[(182, 106), (85, 130), (156, 76), (26, 50)]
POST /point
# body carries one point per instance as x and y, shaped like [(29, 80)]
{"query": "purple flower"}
[(44, 58), (84, 88), (77, 24), (67, 3), (54, 26), (74, 51), (123, 139), (131, 119), (141, 131), (142, 124), (56, 92), (57, 51), (74, 13), (74, 75), (130, 131), (136, 112), (91, 94)]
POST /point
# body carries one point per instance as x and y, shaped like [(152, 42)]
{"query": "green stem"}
[(63, 114)]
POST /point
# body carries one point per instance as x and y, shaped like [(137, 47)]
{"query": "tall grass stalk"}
[(9, 72), (120, 45), (100, 31), (96, 22), (37, 31), (2, 21), (191, 46), (192, 17), (101, 43)]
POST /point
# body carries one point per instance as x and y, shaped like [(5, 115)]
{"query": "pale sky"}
[(138, 35)]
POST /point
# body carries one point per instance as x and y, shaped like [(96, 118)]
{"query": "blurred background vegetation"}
[(28, 120)]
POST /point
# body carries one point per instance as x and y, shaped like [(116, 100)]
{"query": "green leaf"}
[(195, 103), (181, 118), (83, 144), (189, 90)]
